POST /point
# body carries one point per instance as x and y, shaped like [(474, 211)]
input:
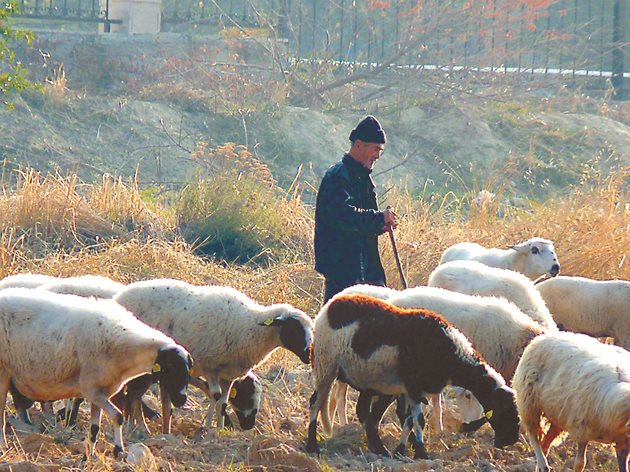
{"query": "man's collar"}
[(355, 165)]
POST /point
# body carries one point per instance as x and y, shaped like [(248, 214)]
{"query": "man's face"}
[(368, 153)]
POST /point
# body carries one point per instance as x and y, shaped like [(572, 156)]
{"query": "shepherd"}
[(347, 220)]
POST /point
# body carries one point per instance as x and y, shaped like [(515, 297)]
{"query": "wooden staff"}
[(400, 269)]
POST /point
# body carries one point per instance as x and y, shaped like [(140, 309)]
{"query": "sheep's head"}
[(540, 257), (503, 417), (172, 369), (245, 395), (296, 329)]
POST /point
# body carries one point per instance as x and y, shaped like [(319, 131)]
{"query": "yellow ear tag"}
[(488, 414), (193, 372), (156, 368), (232, 393), (268, 322), (628, 424)]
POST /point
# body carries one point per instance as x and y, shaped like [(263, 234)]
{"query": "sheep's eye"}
[(535, 250)]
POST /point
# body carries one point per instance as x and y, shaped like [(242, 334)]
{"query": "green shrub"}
[(234, 211)]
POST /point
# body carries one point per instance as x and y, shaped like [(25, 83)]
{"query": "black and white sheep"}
[(580, 386), (496, 327), (226, 332), (245, 397), (382, 349), (55, 346), (599, 308), (533, 258), (475, 278)]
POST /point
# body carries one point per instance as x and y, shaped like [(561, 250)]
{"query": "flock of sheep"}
[(509, 347)]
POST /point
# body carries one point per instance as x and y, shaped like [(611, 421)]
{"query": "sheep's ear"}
[(504, 397), (521, 247), (273, 321)]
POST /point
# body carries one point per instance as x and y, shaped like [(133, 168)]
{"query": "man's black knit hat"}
[(368, 130)]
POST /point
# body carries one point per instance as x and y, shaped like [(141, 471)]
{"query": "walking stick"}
[(400, 270)]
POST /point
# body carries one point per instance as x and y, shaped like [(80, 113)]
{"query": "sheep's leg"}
[(4, 388), (417, 415), (580, 457), (221, 406), (332, 402), (436, 412), (99, 403), (622, 451), (205, 388), (403, 413), (375, 444), (318, 400), (95, 424), (165, 400), (71, 418), (215, 396), (201, 384), (68, 414), (135, 415), (548, 438), (338, 402), (532, 431), (411, 418), (131, 399), (364, 404), (406, 422), (21, 404)]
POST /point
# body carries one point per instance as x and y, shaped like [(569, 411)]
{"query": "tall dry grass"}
[(59, 225)]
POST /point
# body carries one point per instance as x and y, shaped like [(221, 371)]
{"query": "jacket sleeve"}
[(341, 212)]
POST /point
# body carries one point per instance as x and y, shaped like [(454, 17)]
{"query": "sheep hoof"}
[(119, 452), (400, 451), (312, 447), (200, 434), (421, 453), (382, 451)]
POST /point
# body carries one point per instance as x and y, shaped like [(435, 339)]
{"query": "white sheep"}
[(55, 346), (599, 308), (26, 280), (382, 349), (475, 278), (496, 327), (85, 286), (580, 386), (533, 258), (226, 332)]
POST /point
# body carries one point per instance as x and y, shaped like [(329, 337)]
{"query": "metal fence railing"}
[(579, 37)]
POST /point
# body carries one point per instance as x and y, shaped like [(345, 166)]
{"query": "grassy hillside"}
[(141, 108), (527, 148)]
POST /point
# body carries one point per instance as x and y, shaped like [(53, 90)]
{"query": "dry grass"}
[(57, 225)]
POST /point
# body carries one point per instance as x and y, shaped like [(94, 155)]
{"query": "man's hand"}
[(391, 219)]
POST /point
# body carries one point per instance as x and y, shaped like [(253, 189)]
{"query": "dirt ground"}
[(277, 441)]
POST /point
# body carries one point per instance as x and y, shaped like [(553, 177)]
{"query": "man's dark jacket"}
[(347, 225)]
